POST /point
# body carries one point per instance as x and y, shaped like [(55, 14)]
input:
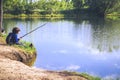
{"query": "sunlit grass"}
[(25, 46), (85, 75), (113, 16), (35, 15)]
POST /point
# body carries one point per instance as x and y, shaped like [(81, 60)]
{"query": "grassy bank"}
[(85, 75), (25, 47), (112, 16), (33, 15)]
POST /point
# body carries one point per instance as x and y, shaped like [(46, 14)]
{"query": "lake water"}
[(83, 45)]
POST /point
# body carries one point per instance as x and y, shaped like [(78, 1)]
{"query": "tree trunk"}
[(1, 15)]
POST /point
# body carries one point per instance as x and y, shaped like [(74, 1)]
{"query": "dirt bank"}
[(15, 54), (14, 70)]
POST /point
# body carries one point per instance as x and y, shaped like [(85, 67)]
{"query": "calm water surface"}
[(83, 45)]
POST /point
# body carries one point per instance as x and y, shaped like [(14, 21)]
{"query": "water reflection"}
[(101, 35), (106, 39), (86, 45)]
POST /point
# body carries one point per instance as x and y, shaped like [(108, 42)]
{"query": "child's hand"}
[(20, 38)]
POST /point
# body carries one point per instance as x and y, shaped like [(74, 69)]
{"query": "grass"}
[(90, 77), (26, 47), (35, 15), (113, 16), (2, 38), (85, 75)]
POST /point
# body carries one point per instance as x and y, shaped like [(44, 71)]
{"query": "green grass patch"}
[(35, 15), (26, 47), (85, 75), (89, 77), (8, 15), (113, 17)]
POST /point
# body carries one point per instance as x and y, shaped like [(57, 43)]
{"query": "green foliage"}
[(34, 15), (113, 16), (26, 47), (8, 15), (90, 77), (43, 7), (102, 7), (13, 6), (22, 15), (17, 7), (78, 4)]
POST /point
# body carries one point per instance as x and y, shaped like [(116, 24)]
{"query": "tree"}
[(78, 4), (1, 14), (102, 7)]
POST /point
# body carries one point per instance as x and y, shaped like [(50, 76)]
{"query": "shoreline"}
[(49, 17)]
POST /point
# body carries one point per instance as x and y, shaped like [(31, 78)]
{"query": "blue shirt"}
[(12, 38)]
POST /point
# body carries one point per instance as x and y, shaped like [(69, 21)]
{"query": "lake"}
[(89, 45)]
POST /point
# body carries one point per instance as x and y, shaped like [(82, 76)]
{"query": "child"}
[(12, 37)]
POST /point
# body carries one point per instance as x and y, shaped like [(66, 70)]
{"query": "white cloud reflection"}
[(117, 66), (73, 67), (61, 51), (111, 77), (88, 48)]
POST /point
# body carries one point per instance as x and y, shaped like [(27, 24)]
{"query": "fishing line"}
[(33, 30)]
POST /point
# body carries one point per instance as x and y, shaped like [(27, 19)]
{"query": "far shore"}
[(58, 16)]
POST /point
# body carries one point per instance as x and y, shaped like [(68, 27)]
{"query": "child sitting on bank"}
[(12, 37)]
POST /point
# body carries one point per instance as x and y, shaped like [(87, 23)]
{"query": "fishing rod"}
[(33, 30)]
